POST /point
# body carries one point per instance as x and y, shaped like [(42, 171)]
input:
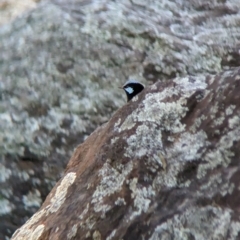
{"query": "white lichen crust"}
[(32, 231)]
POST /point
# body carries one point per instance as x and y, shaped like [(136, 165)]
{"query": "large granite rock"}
[(165, 166), (61, 64), (10, 9)]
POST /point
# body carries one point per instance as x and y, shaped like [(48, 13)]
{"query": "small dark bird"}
[(132, 88)]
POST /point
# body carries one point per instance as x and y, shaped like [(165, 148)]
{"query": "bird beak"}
[(120, 87)]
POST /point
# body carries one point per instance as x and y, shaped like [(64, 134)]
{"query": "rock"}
[(61, 64), (10, 9), (165, 166)]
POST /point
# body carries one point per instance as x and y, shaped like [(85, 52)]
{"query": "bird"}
[(132, 88)]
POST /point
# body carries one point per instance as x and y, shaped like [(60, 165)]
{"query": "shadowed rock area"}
[(61, 64), (166, 166)]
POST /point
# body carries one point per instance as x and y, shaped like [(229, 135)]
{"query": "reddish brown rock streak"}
[(166, 166)]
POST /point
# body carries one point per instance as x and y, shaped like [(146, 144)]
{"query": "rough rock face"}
[(60, 66), (166, 166), (10, 9)]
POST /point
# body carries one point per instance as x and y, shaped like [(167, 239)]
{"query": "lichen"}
[(188, 224), (111, 181), (60, 195)]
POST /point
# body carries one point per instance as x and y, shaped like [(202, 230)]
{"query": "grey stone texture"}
[(61, 64)]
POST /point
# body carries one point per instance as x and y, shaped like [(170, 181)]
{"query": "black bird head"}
[(132, 88)]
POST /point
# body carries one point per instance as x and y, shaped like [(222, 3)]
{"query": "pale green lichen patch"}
[(81, 216), (163, 114), (168, 178), (234, 122), (56, 202), (60, 195), (143, 142), (188, 147), (127, 124), (120, 202), (221, 155), (216, 184), (37, 233), (189, 86), (197, 123), (117, 123), (113, 140), (102, 208), (234, 229), (72, 232), (111, 181), (153, 109), (96, 235), (111, 236), (27, 229), (219, 121), (213, 159), (194, 223), (146, 142), (142, 197), (88, 223), (229, 110), (135, 99)]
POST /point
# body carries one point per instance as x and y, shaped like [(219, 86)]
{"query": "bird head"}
[(132, 88)]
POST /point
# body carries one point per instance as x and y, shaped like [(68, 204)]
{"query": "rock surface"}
[(10, 9), (166, 166), (60, 66)]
